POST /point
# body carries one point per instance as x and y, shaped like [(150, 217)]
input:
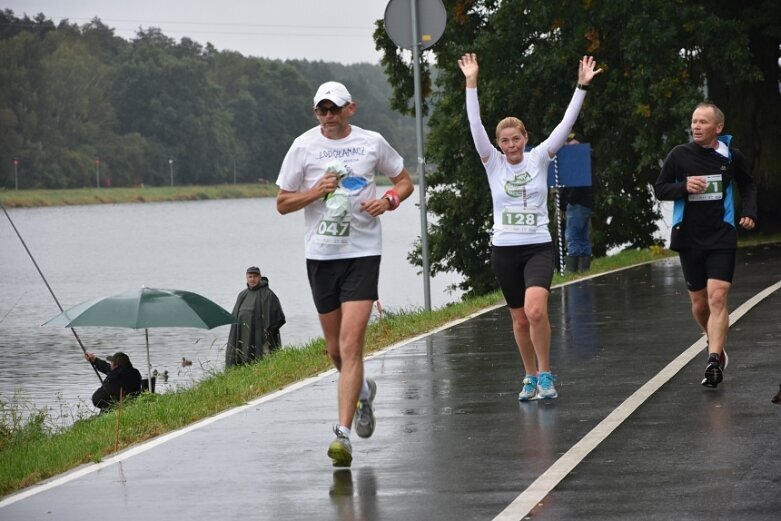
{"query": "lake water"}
[(92, 251)]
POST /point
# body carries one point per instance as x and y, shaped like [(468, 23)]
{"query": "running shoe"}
[(364, 420), (723, 359), (545, 388), (529, 391), (714, 372), (340, 450)]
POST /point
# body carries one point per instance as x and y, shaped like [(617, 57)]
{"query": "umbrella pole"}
[(48, 287), (119, 419), (148, 362)]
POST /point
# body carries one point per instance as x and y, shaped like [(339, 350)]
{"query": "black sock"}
[(713, 357)]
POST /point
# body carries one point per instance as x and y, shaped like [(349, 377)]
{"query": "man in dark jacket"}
[(122, 380), (260, 318), (700, 177)]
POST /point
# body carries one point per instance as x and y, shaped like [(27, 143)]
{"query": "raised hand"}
[(468, 65), (586, 70)]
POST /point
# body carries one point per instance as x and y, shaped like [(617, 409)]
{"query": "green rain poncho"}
[(257, 333)]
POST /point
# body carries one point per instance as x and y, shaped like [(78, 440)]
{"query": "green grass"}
[(34, 198), (75, 196)]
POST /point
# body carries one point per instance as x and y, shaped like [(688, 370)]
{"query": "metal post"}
[(16, 174), (557, 202), (97, 172), (421, 161), (171, 169)]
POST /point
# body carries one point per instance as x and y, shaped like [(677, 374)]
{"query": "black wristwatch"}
[(582, 86)]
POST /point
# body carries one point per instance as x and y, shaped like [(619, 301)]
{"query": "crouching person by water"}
[(260, 317), (122, 379)]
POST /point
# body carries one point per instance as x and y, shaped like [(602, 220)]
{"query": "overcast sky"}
[(335, 30)]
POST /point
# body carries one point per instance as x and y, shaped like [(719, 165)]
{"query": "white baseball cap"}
[(333, 91)]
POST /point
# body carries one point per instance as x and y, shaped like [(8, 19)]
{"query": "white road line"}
[(143, 447), (542, 486)]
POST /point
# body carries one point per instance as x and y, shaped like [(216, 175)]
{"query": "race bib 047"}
[(333, 231)]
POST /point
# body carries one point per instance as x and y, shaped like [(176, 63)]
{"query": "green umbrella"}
[(144, 308)]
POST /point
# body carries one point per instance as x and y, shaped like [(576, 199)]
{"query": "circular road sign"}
[(431, 16)]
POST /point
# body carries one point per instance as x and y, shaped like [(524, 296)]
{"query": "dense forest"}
[(80, 106)]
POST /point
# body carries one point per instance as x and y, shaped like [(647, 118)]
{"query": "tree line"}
[(80, 107), (76, 99), (660, 58)]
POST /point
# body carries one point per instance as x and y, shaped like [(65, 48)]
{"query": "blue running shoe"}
[(529, 391), (545, 388)]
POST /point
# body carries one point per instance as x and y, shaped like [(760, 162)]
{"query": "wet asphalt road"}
[(453, 442)]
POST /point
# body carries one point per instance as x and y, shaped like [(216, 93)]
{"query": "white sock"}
[(345, 431), (365, 390)]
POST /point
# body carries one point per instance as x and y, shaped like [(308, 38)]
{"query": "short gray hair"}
[(716, 110)]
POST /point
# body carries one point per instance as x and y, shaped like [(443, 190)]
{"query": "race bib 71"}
[(713, 191)]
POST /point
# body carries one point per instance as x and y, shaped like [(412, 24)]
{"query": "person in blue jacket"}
[(700, 177), (578, 202)]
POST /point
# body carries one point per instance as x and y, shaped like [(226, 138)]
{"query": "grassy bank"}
[(33, 450), (65, 197), (35, 198)]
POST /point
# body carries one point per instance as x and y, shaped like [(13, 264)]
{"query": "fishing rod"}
[(48, 287)]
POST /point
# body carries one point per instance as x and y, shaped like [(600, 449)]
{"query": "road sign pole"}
[(421, 159), (427, 20)]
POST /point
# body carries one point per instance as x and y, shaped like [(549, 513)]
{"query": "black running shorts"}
[(701, 265), (520, 267), (342, 280)]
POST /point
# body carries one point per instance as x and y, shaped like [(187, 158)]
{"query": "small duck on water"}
[(163, 375)]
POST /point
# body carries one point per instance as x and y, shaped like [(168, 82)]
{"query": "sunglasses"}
[(333, 109)]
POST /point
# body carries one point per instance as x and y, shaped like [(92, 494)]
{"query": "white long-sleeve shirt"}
[(520, 191)]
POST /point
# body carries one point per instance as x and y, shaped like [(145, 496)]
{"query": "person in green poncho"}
[(260, 318)]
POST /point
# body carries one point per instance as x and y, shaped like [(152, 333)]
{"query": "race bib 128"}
[(518, 220)]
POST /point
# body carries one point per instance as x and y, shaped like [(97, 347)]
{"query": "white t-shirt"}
[(338, 228), (520, 192), (520, 197)]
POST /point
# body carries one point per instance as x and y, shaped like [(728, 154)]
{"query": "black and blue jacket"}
[(706, 221)]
